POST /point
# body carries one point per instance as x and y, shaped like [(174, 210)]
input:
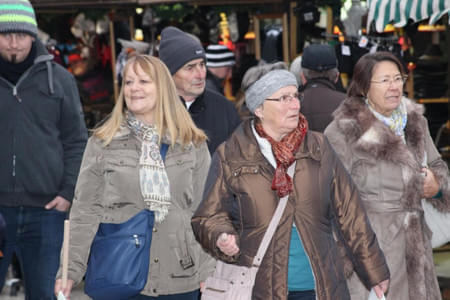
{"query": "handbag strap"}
[(273, 224), (163, 150)]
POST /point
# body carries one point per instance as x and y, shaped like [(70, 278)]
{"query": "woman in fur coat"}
[(384, 141)]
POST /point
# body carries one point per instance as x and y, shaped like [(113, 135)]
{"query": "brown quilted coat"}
[(238, 200)]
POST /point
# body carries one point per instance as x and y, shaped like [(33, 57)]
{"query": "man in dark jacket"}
[(319, 75), (43, 138), (185, 58)]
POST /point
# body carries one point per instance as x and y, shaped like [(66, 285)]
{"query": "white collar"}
[(265, 147)]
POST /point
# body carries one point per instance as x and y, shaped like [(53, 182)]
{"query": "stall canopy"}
[(398, 12), (43, 4)]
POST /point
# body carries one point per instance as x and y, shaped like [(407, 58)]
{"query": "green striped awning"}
[(398, 12)]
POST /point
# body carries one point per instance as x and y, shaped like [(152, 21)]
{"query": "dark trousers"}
[(302, 295), (184, 296), (35, 235)]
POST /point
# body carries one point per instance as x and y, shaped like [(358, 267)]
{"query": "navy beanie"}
[(178, 48)]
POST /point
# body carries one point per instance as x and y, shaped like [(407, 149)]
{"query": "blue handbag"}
[(119, 258)]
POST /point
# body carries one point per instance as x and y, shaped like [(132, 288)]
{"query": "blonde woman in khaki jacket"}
[(110, 188)]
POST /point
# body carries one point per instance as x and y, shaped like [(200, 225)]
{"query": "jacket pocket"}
[(365, 176), (180, 170), (48, 105), (185, 255), (121, 175), (387, 227), (251, 190)]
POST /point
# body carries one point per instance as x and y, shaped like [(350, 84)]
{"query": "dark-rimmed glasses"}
[(285, 99)]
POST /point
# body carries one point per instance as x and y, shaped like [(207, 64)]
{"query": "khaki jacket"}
[(238, 199), (108, 190)]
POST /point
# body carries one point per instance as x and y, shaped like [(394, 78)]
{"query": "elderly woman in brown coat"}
[(248, 177), (383, 140)]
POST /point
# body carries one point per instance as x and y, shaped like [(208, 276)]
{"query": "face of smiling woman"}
[(386, 90), (140, 94)]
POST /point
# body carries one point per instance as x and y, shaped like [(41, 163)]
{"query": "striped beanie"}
[(17, 16), (219, 56)]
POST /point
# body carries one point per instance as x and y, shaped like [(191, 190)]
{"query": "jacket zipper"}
[(16, 95), (14, 166)]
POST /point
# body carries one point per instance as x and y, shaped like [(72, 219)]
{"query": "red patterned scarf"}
[(284, 151)]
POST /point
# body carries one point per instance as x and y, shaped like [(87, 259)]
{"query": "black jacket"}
[(213, 83), (42, 133), (320, 99), (216, 115)]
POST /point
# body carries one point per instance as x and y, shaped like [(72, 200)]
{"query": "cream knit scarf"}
[(152, 173)]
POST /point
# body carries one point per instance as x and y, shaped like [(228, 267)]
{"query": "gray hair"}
[(331, 74), (296, 69), (256, 72)]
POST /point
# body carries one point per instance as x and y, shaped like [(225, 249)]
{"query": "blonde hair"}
[(171, 117)]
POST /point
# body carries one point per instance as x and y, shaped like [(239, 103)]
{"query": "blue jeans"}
[(302, 295), (185, 296), (35, 235)]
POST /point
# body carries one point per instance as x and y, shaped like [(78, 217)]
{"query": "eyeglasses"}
[(285, 99), (387, 81)]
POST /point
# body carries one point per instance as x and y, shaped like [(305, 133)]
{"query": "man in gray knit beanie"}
[(185, 58)]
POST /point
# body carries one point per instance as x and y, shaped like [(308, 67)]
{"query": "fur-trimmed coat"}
[(388, 175)]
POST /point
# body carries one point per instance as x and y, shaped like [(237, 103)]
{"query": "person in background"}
[(219, 62), (120, 157), (384, 142), (186, 60), (319, 76), (248, 176), (43, 138), (296, 69)]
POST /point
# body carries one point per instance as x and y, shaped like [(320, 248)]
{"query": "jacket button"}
[(154, 229), (154, 291), (235, 174), (156, 260), (255, 171)]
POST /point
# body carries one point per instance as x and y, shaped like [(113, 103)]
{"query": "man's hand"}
[(59, 203), (381, 288), (227, 244)]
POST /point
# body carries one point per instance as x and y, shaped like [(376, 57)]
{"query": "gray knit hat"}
[(267, 85), (178, 48), (17, 16)]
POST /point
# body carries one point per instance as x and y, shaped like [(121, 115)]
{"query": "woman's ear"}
[(259, 112)]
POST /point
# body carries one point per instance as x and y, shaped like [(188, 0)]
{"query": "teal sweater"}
[(300, 275)]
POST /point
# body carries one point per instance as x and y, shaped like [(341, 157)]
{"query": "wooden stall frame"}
[(285, 34)]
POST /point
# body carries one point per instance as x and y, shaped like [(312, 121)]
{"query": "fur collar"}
[(369, 135)]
